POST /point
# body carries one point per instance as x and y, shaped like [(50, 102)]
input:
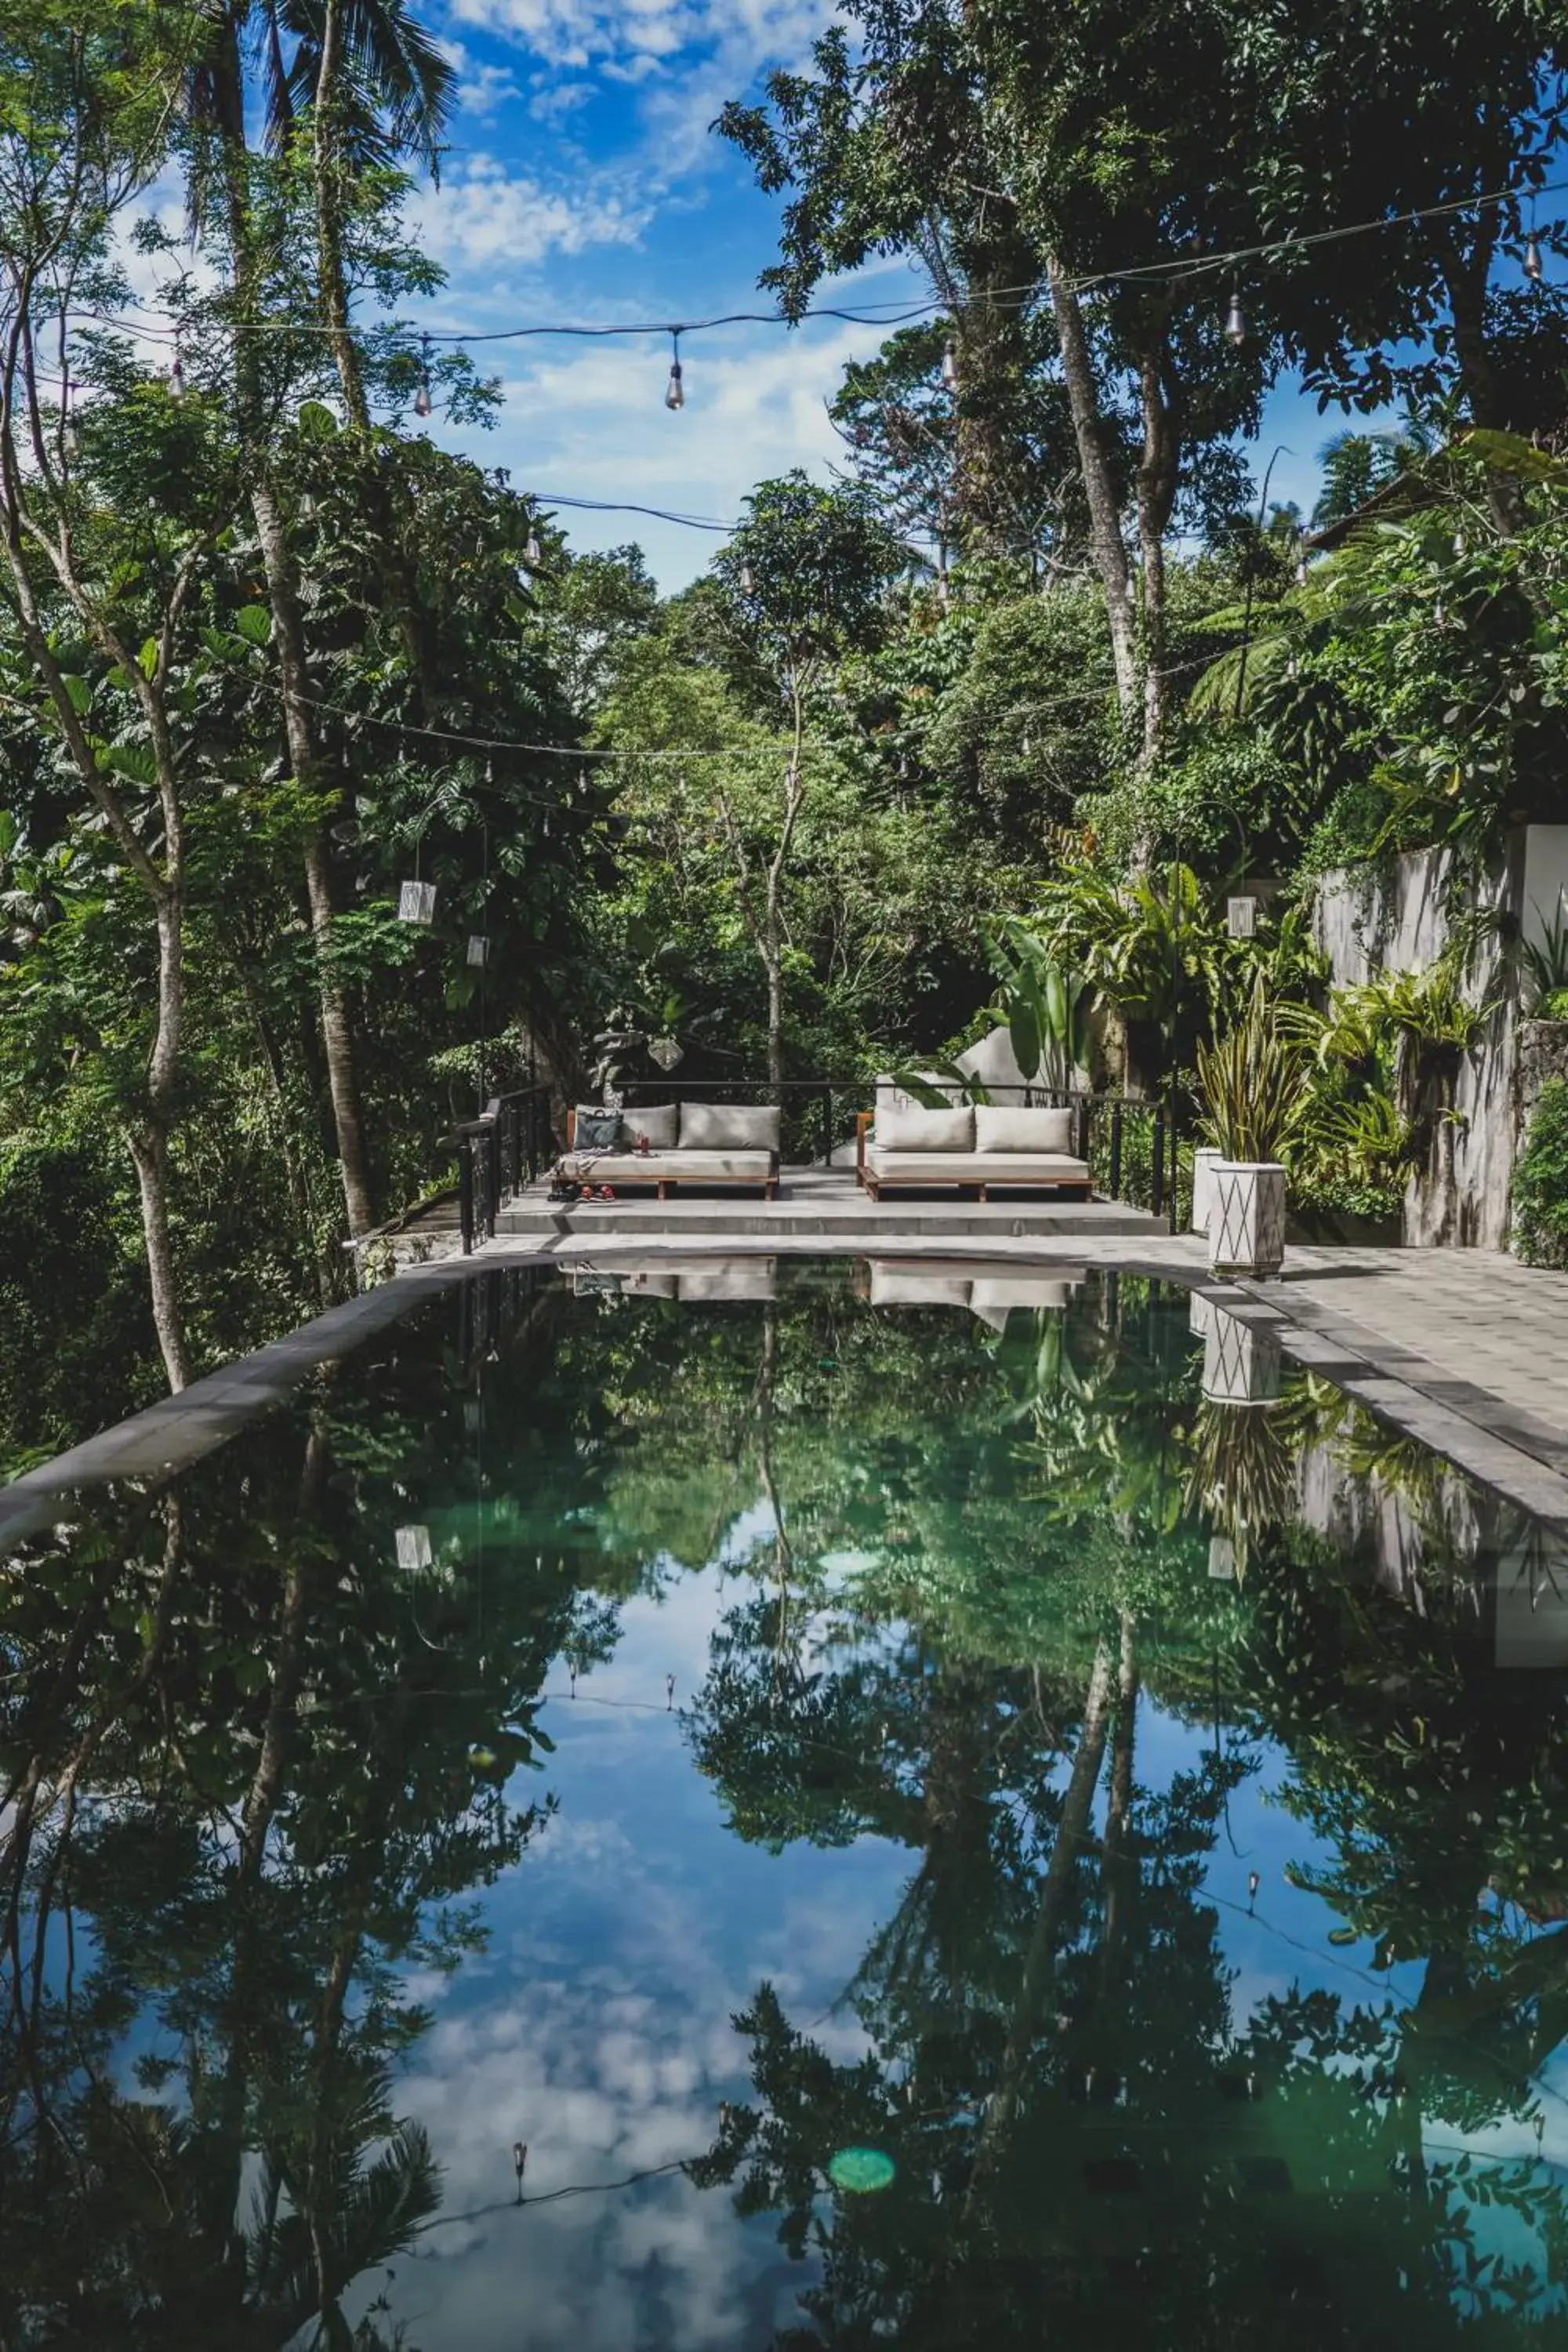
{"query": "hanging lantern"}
[(949, 367), (675, 390), (1533, 264), (415, 1557), (534, 554), (70, 432), (422, 401), (417, 903), (748, 581), (1235, 320), (943, 593), (585, 783), (667, 1051), (176, 377), (1241, 917), (1301, 569), (479, 950)]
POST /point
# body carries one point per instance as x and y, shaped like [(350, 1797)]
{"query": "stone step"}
[(860, 1219)]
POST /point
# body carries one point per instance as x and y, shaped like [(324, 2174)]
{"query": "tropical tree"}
[(804, 576)]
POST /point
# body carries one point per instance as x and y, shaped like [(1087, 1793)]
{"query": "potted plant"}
[(1252, 1097)]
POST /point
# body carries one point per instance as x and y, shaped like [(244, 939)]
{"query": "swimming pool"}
[(762, 1806)]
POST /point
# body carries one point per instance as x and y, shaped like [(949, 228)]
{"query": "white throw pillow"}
[(656, 1120), (729, 1126), (1022, 1130), (925, 1131)]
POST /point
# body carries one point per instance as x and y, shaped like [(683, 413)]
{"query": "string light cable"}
[(1176, 268)]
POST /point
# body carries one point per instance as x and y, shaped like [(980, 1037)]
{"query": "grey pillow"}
[(656, 1120), (729, 1126), (595, 1129)]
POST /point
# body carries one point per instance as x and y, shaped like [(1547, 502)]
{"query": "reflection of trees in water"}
[(1085, 2131), (252, 1779), (249, 1780)]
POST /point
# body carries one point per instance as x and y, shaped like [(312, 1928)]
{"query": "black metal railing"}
[(511, 1143)]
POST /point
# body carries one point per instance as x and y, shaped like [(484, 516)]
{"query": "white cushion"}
[(977, 1167), (729, 1126), (1022, 1130), (925, 1131), (989, 1298), (755, 1278), (667, 1166), (891, 1286), (657, 1121)]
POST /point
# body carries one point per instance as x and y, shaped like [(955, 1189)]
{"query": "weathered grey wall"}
[(1398, 920), (1543, 1054)]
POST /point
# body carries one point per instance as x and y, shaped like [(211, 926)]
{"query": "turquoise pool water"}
[(928, 1827)]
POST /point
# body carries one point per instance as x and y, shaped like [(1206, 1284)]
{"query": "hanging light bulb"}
[(1235, 320), (1533, 269), (176, 377), (748, 581), (949, 367), (675, 390), (422, 401)]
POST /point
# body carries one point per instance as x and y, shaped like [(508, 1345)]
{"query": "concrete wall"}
[(1398, 920)]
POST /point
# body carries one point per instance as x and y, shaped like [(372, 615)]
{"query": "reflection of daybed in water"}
[(665, 1144), (976, 1144), (986, 1292), (693, 1280)]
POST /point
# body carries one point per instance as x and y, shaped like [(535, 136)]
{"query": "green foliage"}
[(1249, 1083), (1541, 1181)]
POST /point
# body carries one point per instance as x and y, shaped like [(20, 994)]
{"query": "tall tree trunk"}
[(773, 900), (326, 162), (282, 589), (1039, 1965), (1106, 542), (1465, 275), (1117, 1876), (1156, 497)]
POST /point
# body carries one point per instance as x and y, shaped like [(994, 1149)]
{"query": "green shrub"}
[(1541, 1181)]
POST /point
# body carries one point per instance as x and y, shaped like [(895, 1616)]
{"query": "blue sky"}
[(582, 183)]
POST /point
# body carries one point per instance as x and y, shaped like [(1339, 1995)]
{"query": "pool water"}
[(838, 1806)]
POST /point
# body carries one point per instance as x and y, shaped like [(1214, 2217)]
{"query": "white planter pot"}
[(1241, 1366), (1203, 1159), (1246, 1221)]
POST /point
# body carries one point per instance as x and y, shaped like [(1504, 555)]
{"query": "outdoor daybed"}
[(976, 1144), (665, 1144)]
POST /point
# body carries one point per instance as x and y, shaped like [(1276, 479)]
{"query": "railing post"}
[(466, 1193), (1116, 1151), (1157, 1167), (1082, 1153), (493, 1143), (827, 1127), (1175, 1172)]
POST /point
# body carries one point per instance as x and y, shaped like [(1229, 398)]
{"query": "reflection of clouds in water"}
[(601, 2083), (598, 2029)]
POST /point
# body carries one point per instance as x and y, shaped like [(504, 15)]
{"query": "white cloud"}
[(481, 89), (485, 216)]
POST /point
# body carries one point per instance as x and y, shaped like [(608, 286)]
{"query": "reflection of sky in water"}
[(597, 2025), (598, 2029)]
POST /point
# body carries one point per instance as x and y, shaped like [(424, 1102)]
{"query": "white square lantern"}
[(1241, 917), (414, 1554), (417, 903), (479, 949)]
